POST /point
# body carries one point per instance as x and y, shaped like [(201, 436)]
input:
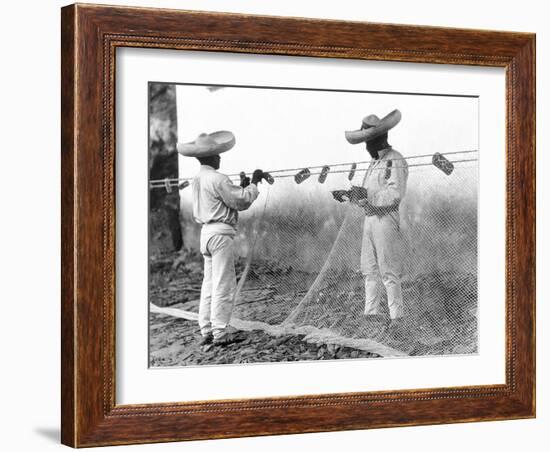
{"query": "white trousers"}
[(382, 254), (218, 284)]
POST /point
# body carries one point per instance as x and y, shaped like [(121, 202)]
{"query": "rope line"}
[(368, 161), (162, 183), (379, 169)]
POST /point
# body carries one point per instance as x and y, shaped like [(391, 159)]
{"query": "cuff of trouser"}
[(205, 331), (397, 310), (397, 315), (219, 332)]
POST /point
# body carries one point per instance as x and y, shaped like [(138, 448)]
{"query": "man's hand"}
[(268, 178), (357, 193), (257, 176), (340, 195), (245, 181)]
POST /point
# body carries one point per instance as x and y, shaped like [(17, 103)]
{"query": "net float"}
[(352, 171), (324, 174), (440, 162), (302, 175)]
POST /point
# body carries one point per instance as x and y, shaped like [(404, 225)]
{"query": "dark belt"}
[(371, 211)]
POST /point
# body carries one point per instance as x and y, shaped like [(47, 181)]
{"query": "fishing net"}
[(299, 259)]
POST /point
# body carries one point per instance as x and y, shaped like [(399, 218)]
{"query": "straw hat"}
[(372, 127), (208, 144)]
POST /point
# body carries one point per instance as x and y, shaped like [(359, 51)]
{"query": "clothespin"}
[(183, 185), (352, 171), (167, 185), (439, 161), (324, 174), (302, 175)]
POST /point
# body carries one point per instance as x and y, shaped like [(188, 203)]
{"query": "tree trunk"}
[(164, 207)]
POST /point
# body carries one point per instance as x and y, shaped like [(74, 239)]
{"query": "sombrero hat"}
[(208, 144), (372, 127)]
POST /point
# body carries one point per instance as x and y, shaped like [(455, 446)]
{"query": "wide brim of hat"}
[(386, 123), (220, 142)]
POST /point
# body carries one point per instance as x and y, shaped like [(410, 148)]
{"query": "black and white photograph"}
[(275, 226), (291, 224)]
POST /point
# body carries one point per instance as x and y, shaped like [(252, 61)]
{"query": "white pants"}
[(218, 285), (382, 259)]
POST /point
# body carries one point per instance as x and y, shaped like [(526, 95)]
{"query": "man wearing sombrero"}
[(382, 250), (216, 201)]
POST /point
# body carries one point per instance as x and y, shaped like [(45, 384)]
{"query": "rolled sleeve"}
[(236, 197)]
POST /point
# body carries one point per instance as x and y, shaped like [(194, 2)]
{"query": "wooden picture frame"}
[(90, 35)]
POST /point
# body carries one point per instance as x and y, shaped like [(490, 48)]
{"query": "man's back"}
[(217, 200)]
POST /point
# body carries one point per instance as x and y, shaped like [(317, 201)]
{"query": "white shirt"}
[(386, 179), (217, 200)]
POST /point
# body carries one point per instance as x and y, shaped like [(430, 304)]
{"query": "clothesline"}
[(184, 182), (368, 161), (384, 168), (165, 183), (175, 181)]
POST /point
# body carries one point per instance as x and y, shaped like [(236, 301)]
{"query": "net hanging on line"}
[(303, 249)]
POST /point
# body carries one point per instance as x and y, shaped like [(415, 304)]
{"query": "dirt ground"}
[(272, 292), (174, 342), (175, 282)]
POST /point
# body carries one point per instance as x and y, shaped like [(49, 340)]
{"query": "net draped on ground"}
[(302, 250)]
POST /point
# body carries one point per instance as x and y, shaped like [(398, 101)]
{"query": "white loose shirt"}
[(386, 179), (217, 200)]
